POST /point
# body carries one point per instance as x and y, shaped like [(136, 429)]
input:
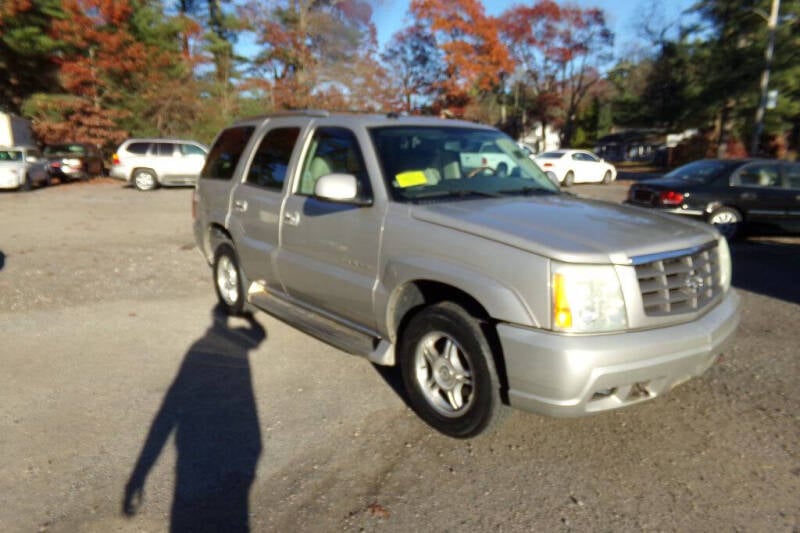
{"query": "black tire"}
[(727, 220), (569, 179), (607, 177), (26, 185), (228, 281), (437, 378), (144, 179)]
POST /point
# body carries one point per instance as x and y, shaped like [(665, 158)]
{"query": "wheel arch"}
[(419, 294)]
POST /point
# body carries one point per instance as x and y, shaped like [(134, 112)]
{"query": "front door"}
[(329, 251)]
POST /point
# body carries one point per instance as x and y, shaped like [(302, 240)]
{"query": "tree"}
[(559, 51), (416, 62), (316, 53), (474, 57), (26, 47)]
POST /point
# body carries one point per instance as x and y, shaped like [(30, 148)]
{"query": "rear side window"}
[(793, 175), (224, 155), (164, 149), (757, 175), (138, 148), (271, 160)]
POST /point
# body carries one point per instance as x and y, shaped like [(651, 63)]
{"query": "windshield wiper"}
[(529, 191)]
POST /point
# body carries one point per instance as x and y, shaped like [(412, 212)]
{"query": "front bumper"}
[(575, 375)]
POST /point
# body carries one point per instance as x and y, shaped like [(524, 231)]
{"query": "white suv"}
[(149, 163)]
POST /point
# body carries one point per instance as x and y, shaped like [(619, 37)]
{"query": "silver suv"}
[(148, 163), (385, 237)]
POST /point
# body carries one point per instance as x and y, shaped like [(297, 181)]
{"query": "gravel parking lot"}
[(118, 379)]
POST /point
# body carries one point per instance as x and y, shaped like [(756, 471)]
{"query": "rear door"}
[(329, 251), (257, 201), (216, 179)]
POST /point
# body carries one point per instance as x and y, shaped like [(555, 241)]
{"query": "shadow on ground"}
[(211, 408), (767, 267), (2, 260)]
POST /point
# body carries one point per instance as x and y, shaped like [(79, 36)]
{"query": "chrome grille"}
[(681, 284)]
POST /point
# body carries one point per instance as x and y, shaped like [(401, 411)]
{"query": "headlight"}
[(587, 299), (725, 264)]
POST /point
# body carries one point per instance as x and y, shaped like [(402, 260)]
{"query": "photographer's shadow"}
[(211, 408)]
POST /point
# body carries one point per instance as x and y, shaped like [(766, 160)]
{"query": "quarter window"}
[(224, 155), (271, 160), (793, 175), (138, 148)]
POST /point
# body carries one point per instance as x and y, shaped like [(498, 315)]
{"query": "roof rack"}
[(320, 113)]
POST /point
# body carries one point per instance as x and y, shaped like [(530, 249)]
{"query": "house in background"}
[(541, 139)]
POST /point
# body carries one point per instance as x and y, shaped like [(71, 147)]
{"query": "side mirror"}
[(339, 188)]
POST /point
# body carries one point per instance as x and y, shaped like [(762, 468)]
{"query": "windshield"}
[(76, 149), (421, 162), (701, 171), (10, 155)]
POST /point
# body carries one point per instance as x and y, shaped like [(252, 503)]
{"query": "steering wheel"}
[(475, 171)]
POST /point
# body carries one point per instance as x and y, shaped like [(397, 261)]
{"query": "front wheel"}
[(228, 280), (607, 177), (449, 372)]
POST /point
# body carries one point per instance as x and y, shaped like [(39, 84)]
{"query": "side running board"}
[(338, 335)]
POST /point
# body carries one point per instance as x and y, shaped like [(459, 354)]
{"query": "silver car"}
[(22, 167), (379, 235), (150, 163)]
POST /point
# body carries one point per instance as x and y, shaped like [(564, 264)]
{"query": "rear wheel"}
[(145, 180), (607, 177), (449, 372), (727, 220), (569, 179), (228, 280)]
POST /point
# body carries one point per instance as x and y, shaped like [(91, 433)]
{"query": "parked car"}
[(483, 289), (576, 166), (74, 161), (22, 167), (149, 163), (733, 195)]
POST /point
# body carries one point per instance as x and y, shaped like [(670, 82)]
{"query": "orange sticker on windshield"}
[(411, 178)]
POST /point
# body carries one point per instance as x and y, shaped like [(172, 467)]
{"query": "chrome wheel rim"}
[(145, 180), (443, 372), (725, 222), (227, 280)]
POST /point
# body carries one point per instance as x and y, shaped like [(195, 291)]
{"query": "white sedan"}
[(576, 166)]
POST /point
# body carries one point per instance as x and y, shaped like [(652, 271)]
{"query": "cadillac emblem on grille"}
[(693, 284)]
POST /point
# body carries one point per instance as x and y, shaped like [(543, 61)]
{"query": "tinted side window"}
[(792, 175), (138, 148), (334, 150), (224, 155), (271, 159), (757, 175), (191, 149), (164, 149)]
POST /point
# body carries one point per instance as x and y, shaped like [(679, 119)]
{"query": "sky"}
[(622, 16)]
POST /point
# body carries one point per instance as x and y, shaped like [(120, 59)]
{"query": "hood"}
[(568, 228)]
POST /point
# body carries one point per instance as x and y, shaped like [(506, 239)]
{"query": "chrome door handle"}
[(240, 205), (292, 219), (748, 196)]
